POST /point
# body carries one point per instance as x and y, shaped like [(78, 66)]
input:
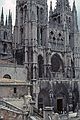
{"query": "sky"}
[(10, 4)]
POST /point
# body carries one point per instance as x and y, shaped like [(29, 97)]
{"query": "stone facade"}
[(48, 51)]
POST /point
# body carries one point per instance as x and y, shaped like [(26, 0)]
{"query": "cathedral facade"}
[(49, 52)]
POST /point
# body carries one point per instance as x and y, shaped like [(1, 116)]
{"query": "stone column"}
[(34, 36), (26, 47), (19, 24), (45, 63), (34, 44)]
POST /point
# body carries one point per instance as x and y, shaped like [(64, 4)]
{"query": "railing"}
[(8, 105)]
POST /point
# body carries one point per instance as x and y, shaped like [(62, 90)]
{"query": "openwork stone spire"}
[(2, 17), (62, 5)]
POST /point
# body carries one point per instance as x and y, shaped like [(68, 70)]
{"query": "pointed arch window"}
[(7, 76), (4, 47), (21, 15), (56, 63), (41, 14), (41, 36), (40, 66), (25, 9), (37, 13), (5, 35)]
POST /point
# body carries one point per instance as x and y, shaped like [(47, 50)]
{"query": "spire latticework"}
[(2, 17)]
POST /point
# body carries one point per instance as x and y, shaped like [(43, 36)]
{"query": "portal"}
[(60, 105)]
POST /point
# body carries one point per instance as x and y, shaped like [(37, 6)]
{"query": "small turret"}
[(74, 15), (10, 19), (2, 17), (51, 11), (74, 6), (50, 5), (6, 21), (62, 5)]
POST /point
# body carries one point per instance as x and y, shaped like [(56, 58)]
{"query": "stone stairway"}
[(10, 107)]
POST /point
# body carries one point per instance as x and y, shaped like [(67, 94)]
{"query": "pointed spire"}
[(2, 17), (74, 15), (62, 5), (74, 6), (50, 5), (6, 21), (9, 15), (10, 19), (51, 11)]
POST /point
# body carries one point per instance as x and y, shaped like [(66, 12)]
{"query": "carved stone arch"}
[(41, 14), (21, 10), (25, 7), (7, 76), (40, 66), (33, 16), (56, 63), (25, 12), (21, 15), (40, 52), (41, 11), (43, 99), (62, 89), (61, 97), (58, 54)]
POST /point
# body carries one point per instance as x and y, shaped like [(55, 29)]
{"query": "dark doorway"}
[(59, 105)]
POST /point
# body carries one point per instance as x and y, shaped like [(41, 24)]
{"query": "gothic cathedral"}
[(49, 49)]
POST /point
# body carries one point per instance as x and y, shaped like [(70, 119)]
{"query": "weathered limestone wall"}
[(18, 72), (8, 91)]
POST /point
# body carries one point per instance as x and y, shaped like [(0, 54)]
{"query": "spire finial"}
[(10, 19), (2, 12), (74, 6), (9, 13), (6, 21), (51, 5), (2, 17)]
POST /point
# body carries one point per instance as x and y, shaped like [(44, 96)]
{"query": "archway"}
[(43, 99), (59, 104), (61, 97), (56, 63)]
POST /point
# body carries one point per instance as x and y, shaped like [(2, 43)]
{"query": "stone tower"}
[(60, 24), (31, 29), (6, 37)]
